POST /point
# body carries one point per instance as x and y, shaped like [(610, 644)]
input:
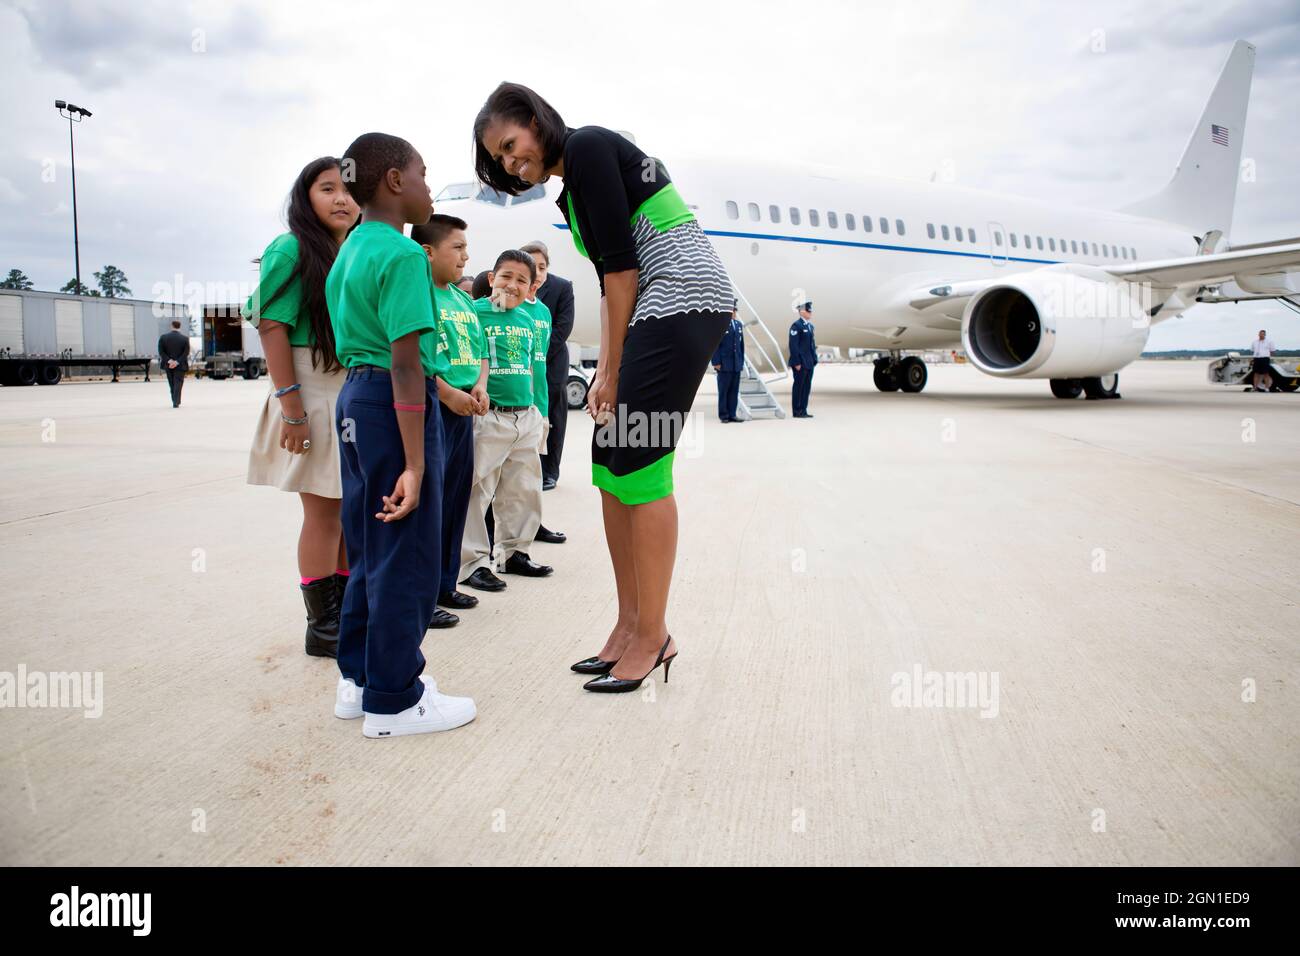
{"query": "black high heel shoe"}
[(609, 684), (593, 665)]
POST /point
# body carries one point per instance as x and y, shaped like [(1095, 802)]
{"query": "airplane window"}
[(752, 209), (794, 216), (1105, 250), (528, 195), (850, 222), (899, 227), (1013, 241), (832, 220), (813, 218), (884, 226), (1051, 243), (866, 224), (1074, 245), (455, 191), (774, 212), (1040, 242), (1094, 250), (488, 194), (943, 230), (997, 238), (970, 233), (733, 211), (1062, 245), (929, 229), (958, 233)]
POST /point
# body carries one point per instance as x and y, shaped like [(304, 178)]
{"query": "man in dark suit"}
[(803, 357), (557, 295), (174, 357), (728, 362)]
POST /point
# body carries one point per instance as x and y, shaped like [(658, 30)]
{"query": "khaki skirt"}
[(315, 472)]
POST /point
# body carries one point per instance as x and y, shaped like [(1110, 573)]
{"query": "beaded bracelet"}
[(408, 408), (281, 392), (293, 421)]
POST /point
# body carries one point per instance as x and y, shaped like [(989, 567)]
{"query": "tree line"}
[(111, 281)]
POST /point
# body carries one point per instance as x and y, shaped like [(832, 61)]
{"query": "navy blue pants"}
[(458, 447), (802, 389), (395, 565), (728, 394)]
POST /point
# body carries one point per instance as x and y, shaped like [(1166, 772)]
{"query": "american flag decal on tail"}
[(1219, 134)]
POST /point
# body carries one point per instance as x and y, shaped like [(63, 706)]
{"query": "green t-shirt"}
[(541, 342), (278, 262), (462, 336), (508, 338), (377, 292)]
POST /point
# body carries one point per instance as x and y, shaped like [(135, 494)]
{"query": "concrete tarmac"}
[(1119, 579)]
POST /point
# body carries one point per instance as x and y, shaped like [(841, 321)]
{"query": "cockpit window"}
[(537, 192), (488, 194), (455, 191)]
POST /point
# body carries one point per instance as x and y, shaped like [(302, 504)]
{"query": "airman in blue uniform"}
[(803, 357), (728, 362)]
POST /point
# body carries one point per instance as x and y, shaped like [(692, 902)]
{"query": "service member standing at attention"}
[(665, 302), (728, 362), (803, 358), (557, 294), (1262, 363)]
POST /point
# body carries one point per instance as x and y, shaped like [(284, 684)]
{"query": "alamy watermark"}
[(71, 690), (948, 689)]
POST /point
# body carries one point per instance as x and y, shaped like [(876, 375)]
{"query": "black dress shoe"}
[(593, 665), (520, 563), (443, 618), (549, 536), (484, 580), (457, 600), (725, 421), (609, 684), (809, 415), (548, 484)]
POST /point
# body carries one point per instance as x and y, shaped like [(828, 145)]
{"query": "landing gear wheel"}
[(886, 377), (575, 391), (912, 374), (1107, 386), (1066, 387)]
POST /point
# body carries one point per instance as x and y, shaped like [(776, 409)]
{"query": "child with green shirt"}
[(507, 471), (391, 447), (463, 391)]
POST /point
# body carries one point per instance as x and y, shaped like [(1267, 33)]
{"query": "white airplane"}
[(1028, 289)]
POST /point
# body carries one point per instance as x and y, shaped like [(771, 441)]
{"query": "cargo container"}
[(230, 345)]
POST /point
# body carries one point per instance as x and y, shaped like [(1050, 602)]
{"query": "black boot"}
[(322, 601)]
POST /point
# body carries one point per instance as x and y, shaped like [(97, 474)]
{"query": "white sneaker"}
[(434, 712), (347, 697)]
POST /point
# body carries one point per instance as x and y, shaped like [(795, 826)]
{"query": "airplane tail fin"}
[(1203, 189)]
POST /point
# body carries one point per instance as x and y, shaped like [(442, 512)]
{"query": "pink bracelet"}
[(408, 408)]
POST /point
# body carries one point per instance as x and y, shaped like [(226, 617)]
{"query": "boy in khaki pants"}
[(507, 471)]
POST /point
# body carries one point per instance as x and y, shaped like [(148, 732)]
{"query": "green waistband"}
[(664, 210)]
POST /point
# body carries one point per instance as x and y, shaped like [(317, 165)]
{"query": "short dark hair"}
[(482, 288), (519, 104), (523, 258), (176, 323), (368, 160), (438, 228), (536, 246)]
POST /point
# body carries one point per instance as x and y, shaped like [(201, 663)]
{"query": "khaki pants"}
[(507, 475)]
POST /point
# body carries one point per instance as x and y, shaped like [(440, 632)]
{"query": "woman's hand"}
[(292, 437), (601, 397)]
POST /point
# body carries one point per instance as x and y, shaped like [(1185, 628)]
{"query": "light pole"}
[(73, 114)]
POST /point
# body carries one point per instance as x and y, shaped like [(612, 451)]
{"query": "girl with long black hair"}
[(295, 446), (665, 303)]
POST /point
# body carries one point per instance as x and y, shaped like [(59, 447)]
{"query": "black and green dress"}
[(625, 213)]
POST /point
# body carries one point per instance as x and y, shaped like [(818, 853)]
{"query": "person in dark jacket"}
[(556, 294), (174, 357), (803, 358), (729, 362)]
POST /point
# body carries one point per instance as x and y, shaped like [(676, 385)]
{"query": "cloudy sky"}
[(205, 111)]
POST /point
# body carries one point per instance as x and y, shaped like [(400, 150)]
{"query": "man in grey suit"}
[(556, 294), (174, 357)]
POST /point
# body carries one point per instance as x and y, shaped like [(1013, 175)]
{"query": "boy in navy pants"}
[(391, 447)]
